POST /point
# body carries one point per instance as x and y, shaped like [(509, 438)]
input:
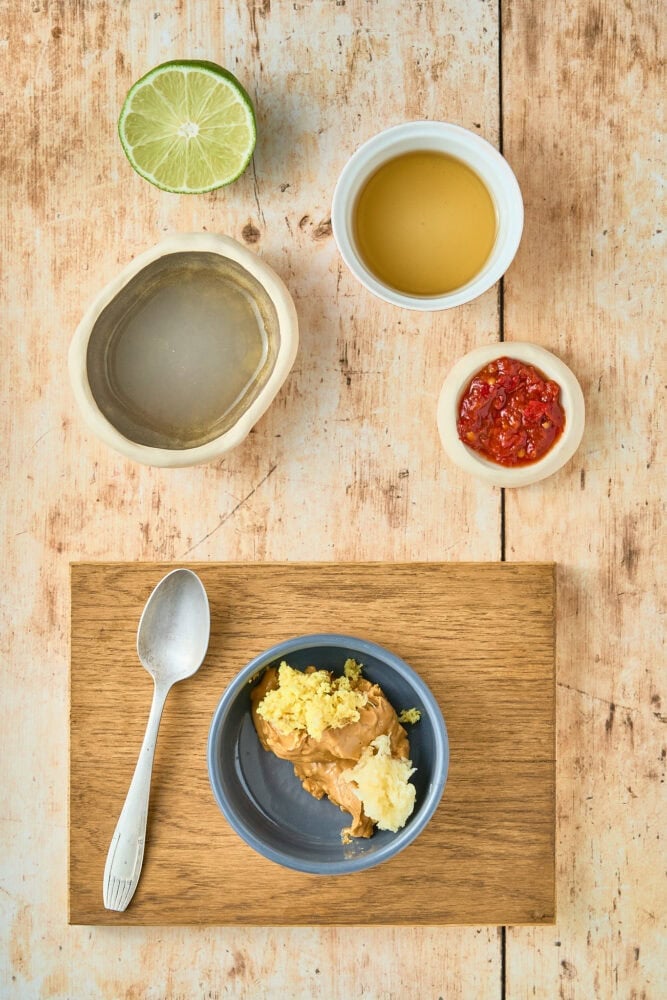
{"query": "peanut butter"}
[(320, 763)]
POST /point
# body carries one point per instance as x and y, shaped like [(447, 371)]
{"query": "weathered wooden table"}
[(347, 464)]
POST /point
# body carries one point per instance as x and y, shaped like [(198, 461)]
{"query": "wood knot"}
[(250, 233), (323, 230)]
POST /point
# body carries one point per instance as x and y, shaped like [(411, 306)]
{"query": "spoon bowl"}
[(172, 640), (173, 632)]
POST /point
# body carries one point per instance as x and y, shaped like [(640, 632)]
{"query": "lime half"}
[(188, 127)]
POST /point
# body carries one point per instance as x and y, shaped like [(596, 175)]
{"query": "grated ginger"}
[(410, 715), (352, 669), (382, 785), (312, 701)]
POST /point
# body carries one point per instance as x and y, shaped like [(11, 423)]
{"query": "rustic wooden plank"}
[(480, 635), (583, 89), (346, 465)]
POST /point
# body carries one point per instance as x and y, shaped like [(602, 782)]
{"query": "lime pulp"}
[(188, 127)]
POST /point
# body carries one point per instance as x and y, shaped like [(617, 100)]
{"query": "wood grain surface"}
[(595, 236), (481, 636), (346, 465)]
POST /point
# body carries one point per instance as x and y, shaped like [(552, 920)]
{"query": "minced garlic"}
[(381, 782)]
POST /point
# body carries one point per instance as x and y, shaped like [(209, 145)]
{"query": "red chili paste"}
[(510, 413)]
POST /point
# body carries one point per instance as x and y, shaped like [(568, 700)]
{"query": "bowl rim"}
[(455, 384), (475, 151), (440, 765), (288, 325)]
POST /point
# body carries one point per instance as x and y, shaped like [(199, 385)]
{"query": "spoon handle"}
[(126, 853)]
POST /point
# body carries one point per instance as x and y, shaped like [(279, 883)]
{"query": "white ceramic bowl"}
[(571, 400), (455, 141), (284, 351)]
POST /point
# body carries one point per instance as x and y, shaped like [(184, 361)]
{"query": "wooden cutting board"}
[(481, 636)]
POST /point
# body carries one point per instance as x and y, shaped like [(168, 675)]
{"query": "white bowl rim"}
[(175, 243), (455, 384), (249, 673), (364, 161)]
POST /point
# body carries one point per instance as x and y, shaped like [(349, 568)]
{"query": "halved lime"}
[(188, 127)]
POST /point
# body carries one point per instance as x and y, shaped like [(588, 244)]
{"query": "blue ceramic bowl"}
[(262, 799)]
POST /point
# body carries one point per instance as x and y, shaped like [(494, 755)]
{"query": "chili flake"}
[(511, 413)]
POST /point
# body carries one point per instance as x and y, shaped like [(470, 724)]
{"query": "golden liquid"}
[(424, 223)]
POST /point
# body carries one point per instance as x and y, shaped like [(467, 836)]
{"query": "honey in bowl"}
[(424, 223)]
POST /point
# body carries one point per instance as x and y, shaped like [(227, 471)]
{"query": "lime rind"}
[(172, 97)]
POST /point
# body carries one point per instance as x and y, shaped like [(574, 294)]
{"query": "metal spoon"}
[(172, 640)]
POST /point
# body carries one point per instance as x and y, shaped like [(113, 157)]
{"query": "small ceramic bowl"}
[(192, 266), (571, 399), (441, 137), (261, 797)]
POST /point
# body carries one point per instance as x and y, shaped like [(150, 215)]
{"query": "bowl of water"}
[(181, 354)]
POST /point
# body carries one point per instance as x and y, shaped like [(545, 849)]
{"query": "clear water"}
[(182, 350)]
